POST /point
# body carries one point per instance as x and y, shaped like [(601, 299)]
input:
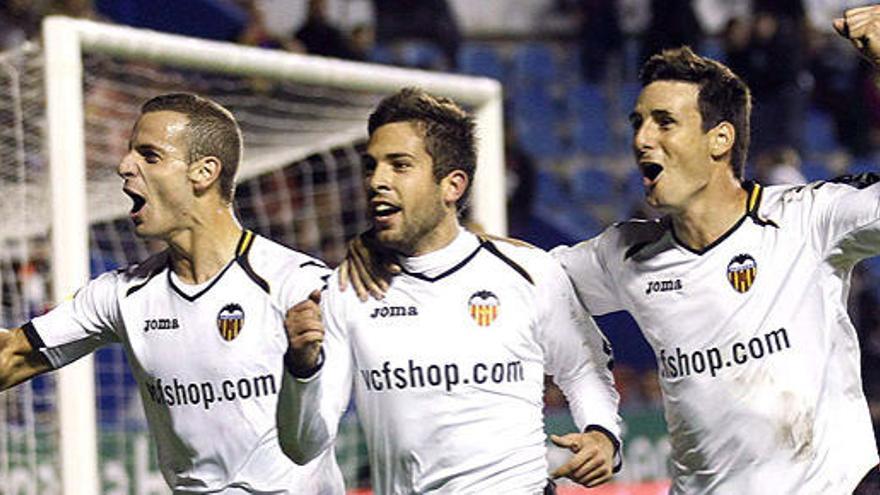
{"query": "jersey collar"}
[(753, 204), (440, 263), (241, 251)]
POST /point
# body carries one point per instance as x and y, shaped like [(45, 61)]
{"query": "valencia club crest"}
[(483, 307), (230, 321), (741, 272)]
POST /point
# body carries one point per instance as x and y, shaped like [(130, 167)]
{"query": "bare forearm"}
[(19, 361)]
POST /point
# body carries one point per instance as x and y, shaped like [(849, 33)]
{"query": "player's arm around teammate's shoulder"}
[(19, 360), (368, 267)]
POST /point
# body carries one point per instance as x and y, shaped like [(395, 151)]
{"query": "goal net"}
[(66, 111)]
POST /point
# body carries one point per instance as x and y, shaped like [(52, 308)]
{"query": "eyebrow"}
[(146, 147), (399, 154), (661, 113)]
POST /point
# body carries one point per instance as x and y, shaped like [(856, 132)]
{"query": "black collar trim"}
[(753, 200), (242, 259), (452, 270), (244, 244), (484, 244)]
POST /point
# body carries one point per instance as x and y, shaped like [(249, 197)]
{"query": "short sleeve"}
[(845, 218), (303, 275), (587, 269), (81, 324)]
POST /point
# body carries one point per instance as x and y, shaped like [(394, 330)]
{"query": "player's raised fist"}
[(305, 334), (861, 26)]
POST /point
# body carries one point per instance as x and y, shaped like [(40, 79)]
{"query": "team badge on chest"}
[(483, 307), (741, 272), (230, 321)]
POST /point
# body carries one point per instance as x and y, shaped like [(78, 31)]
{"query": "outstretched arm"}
[(19, 361)]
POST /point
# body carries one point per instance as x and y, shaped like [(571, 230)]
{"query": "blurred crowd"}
[(816, 104)]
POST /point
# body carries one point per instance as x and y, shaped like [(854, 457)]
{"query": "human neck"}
[(708, 217), (204, 248), (438, 238)]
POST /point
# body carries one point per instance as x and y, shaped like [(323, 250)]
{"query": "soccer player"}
[(202, 322), (448, 371), (740, 289)]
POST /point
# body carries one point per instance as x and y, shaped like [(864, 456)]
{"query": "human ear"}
[(721, 137), (204, 173), (454, 186)]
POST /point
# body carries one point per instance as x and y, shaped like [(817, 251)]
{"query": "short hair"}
[(722, 96), (211, 131), (449, 131)]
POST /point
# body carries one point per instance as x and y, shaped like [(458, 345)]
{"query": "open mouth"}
[(650, 171), (137, 200), (383, 210)]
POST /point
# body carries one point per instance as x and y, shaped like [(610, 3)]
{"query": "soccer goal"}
[(66, 111)]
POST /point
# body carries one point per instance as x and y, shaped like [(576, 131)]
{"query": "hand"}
[(593, 461), (368, 267), (305, 334), (861, 26)]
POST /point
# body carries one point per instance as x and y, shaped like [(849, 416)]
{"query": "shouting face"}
[(154, 173), (410, 208), (671, 148)]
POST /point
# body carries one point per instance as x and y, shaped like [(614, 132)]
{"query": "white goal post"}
[(66, 40)]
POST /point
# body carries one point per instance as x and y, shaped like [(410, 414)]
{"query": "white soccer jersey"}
[(208, 361), (758, 360), (448, 370)]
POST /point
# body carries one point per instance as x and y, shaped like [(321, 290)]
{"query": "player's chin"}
[(388, 239)]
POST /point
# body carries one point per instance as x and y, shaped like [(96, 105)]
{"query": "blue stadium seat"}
[(423, 55), (594, 185), (629, 93), (381, 54), (536, 119), (588, 108), (863, 165), (814, 170), (548, 189), (580, 224), (819, 133), (534, 63), (481, 60)]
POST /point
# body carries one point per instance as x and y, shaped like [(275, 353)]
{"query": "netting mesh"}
[(299, 185)]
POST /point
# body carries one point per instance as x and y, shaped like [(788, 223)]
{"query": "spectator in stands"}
[(363, 41), (321, 37), (781, 165), (838, 74), (600, 36), (520, 183), (83, 9), (255, 32), (769, 54), (432, 21), (16, 23), (673, 23)]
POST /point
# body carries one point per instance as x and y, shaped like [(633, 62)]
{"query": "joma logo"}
[(160, 324), (392, 311), (663, 285)]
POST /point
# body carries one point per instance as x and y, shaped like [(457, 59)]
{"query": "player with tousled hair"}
[(200, 322), (448, 371), (740, 289)]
